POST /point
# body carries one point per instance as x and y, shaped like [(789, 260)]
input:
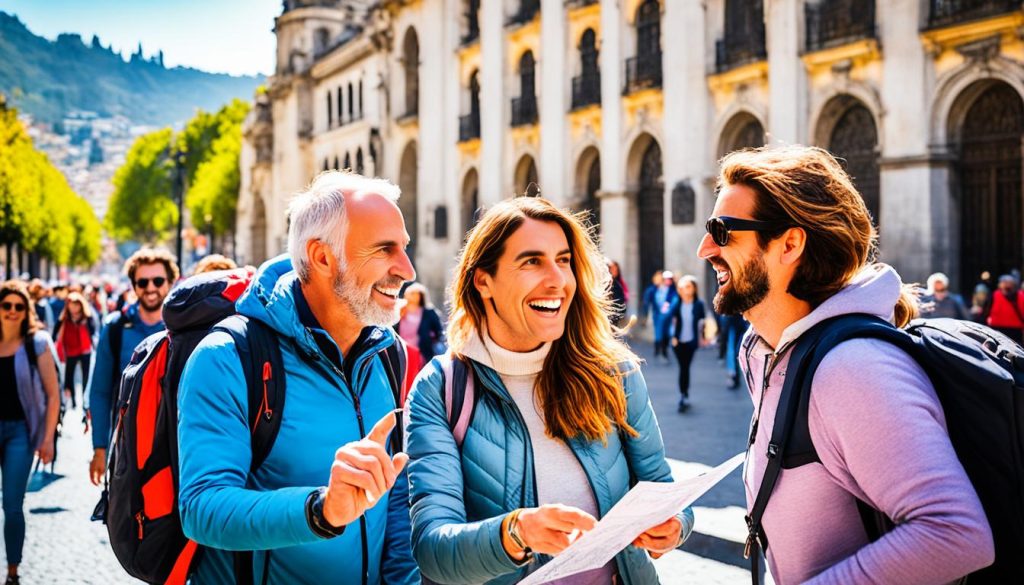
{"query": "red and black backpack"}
[(141, 510)]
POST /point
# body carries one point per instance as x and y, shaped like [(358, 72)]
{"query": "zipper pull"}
[(140, 518), (267, 376)]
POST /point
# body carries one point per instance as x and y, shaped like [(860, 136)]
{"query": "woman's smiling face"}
[(528, 296)]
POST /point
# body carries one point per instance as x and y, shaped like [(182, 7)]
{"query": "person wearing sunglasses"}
[(152, 273), (29, 407), (793, 245)]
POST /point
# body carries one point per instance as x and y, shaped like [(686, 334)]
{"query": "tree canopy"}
[(38, 209), (143, 206)]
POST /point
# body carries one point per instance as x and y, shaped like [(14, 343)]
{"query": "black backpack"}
[(141, 510), (978, 376)]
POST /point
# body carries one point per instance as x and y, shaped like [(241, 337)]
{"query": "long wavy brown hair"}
[(30, 324), (805, 186), (579, 388)]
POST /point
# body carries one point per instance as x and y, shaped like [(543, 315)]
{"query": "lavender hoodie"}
[(880, 433)]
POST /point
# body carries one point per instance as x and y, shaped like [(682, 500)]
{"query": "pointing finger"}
[(379, 432)]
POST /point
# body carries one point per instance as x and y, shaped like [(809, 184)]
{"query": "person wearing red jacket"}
[(75, 331), (1005, 311)]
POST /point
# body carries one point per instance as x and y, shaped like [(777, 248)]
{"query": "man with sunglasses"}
[(152, 273), (793, 245)]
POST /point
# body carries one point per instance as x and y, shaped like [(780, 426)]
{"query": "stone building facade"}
[(623, 107)]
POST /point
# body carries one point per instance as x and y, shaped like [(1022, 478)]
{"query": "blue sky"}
[(220, 36)]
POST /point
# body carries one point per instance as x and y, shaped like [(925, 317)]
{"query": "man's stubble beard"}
[(360, 301), (739, 295)]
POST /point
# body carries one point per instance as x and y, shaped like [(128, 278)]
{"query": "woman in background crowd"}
[(76, 333), (29, 407)]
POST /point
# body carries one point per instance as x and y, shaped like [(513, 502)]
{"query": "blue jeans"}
[(15, 465)]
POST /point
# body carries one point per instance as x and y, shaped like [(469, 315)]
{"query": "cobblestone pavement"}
[(63, 547)]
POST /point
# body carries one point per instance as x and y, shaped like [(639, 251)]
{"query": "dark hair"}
[(16, 287), (147, 256)]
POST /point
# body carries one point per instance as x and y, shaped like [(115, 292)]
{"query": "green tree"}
[(142, 207), (213, 189)]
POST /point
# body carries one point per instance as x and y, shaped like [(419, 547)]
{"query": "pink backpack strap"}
[(460, 426)]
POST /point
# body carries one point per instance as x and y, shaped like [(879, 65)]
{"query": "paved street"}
[(62, 546)]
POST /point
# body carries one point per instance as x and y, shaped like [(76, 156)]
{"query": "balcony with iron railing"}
[(831, 23), (524, 110), (469, 127), (527, 11), (472, 33), (943, 13), (735, 50), (586, 90), (643, 72)]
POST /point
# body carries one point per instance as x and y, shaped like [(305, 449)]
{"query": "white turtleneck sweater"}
[(560, 476)]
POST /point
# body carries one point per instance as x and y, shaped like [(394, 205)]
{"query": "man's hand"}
[(675, 342), (98, 466), (45, 451), (549, 529), (361, 473), (86, 421), (662, 538)]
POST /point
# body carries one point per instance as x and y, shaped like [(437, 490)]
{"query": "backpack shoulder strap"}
[(260, 355), (395, 359), (30, 351), (459, 394), (115, 336)]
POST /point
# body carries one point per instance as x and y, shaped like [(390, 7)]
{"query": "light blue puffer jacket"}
[(459, 499)]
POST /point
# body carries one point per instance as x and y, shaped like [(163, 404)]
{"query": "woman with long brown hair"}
[(76, 333), (29, 407), (561, 425)]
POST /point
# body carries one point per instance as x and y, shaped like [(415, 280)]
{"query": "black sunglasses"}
[(143, 283), (719, 227), (8, 306)]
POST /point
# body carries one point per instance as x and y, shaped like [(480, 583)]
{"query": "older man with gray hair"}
[(938, 301), (330, 501)]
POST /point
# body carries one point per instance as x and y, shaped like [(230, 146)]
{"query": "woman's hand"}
[(549, 529), (662, 538), (45, 451)]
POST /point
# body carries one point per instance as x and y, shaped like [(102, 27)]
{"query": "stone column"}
[(552, 168), (787, 119), (913, 185), (615, 206), (494, 106), (687, 111)]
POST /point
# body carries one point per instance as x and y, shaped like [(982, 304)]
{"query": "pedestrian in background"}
[(938, 302), (1005, 309), (561, 424), (29, 407), (873, 414), (212, 262), (75, 337), (420, 326), (686, 332), (619, 294), (152, 273), (658, 300)]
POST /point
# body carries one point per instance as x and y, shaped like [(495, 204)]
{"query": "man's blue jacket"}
[(225, 508)]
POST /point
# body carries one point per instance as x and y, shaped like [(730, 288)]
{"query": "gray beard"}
[(360, 301)]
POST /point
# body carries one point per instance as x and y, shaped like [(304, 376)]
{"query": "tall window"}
[(472, 21), (359, 160), (411, 58), (341, 107), (348, 162), (360, 98), (648, 29), (336, 167), (330, 111), (350, 115), (527, 77)]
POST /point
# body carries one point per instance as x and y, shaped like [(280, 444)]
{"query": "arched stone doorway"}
[(470, 212), (526, 173), (853, 139), (588, 182), (991, 203), (407, 202), (650, 203), (742, 131)]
